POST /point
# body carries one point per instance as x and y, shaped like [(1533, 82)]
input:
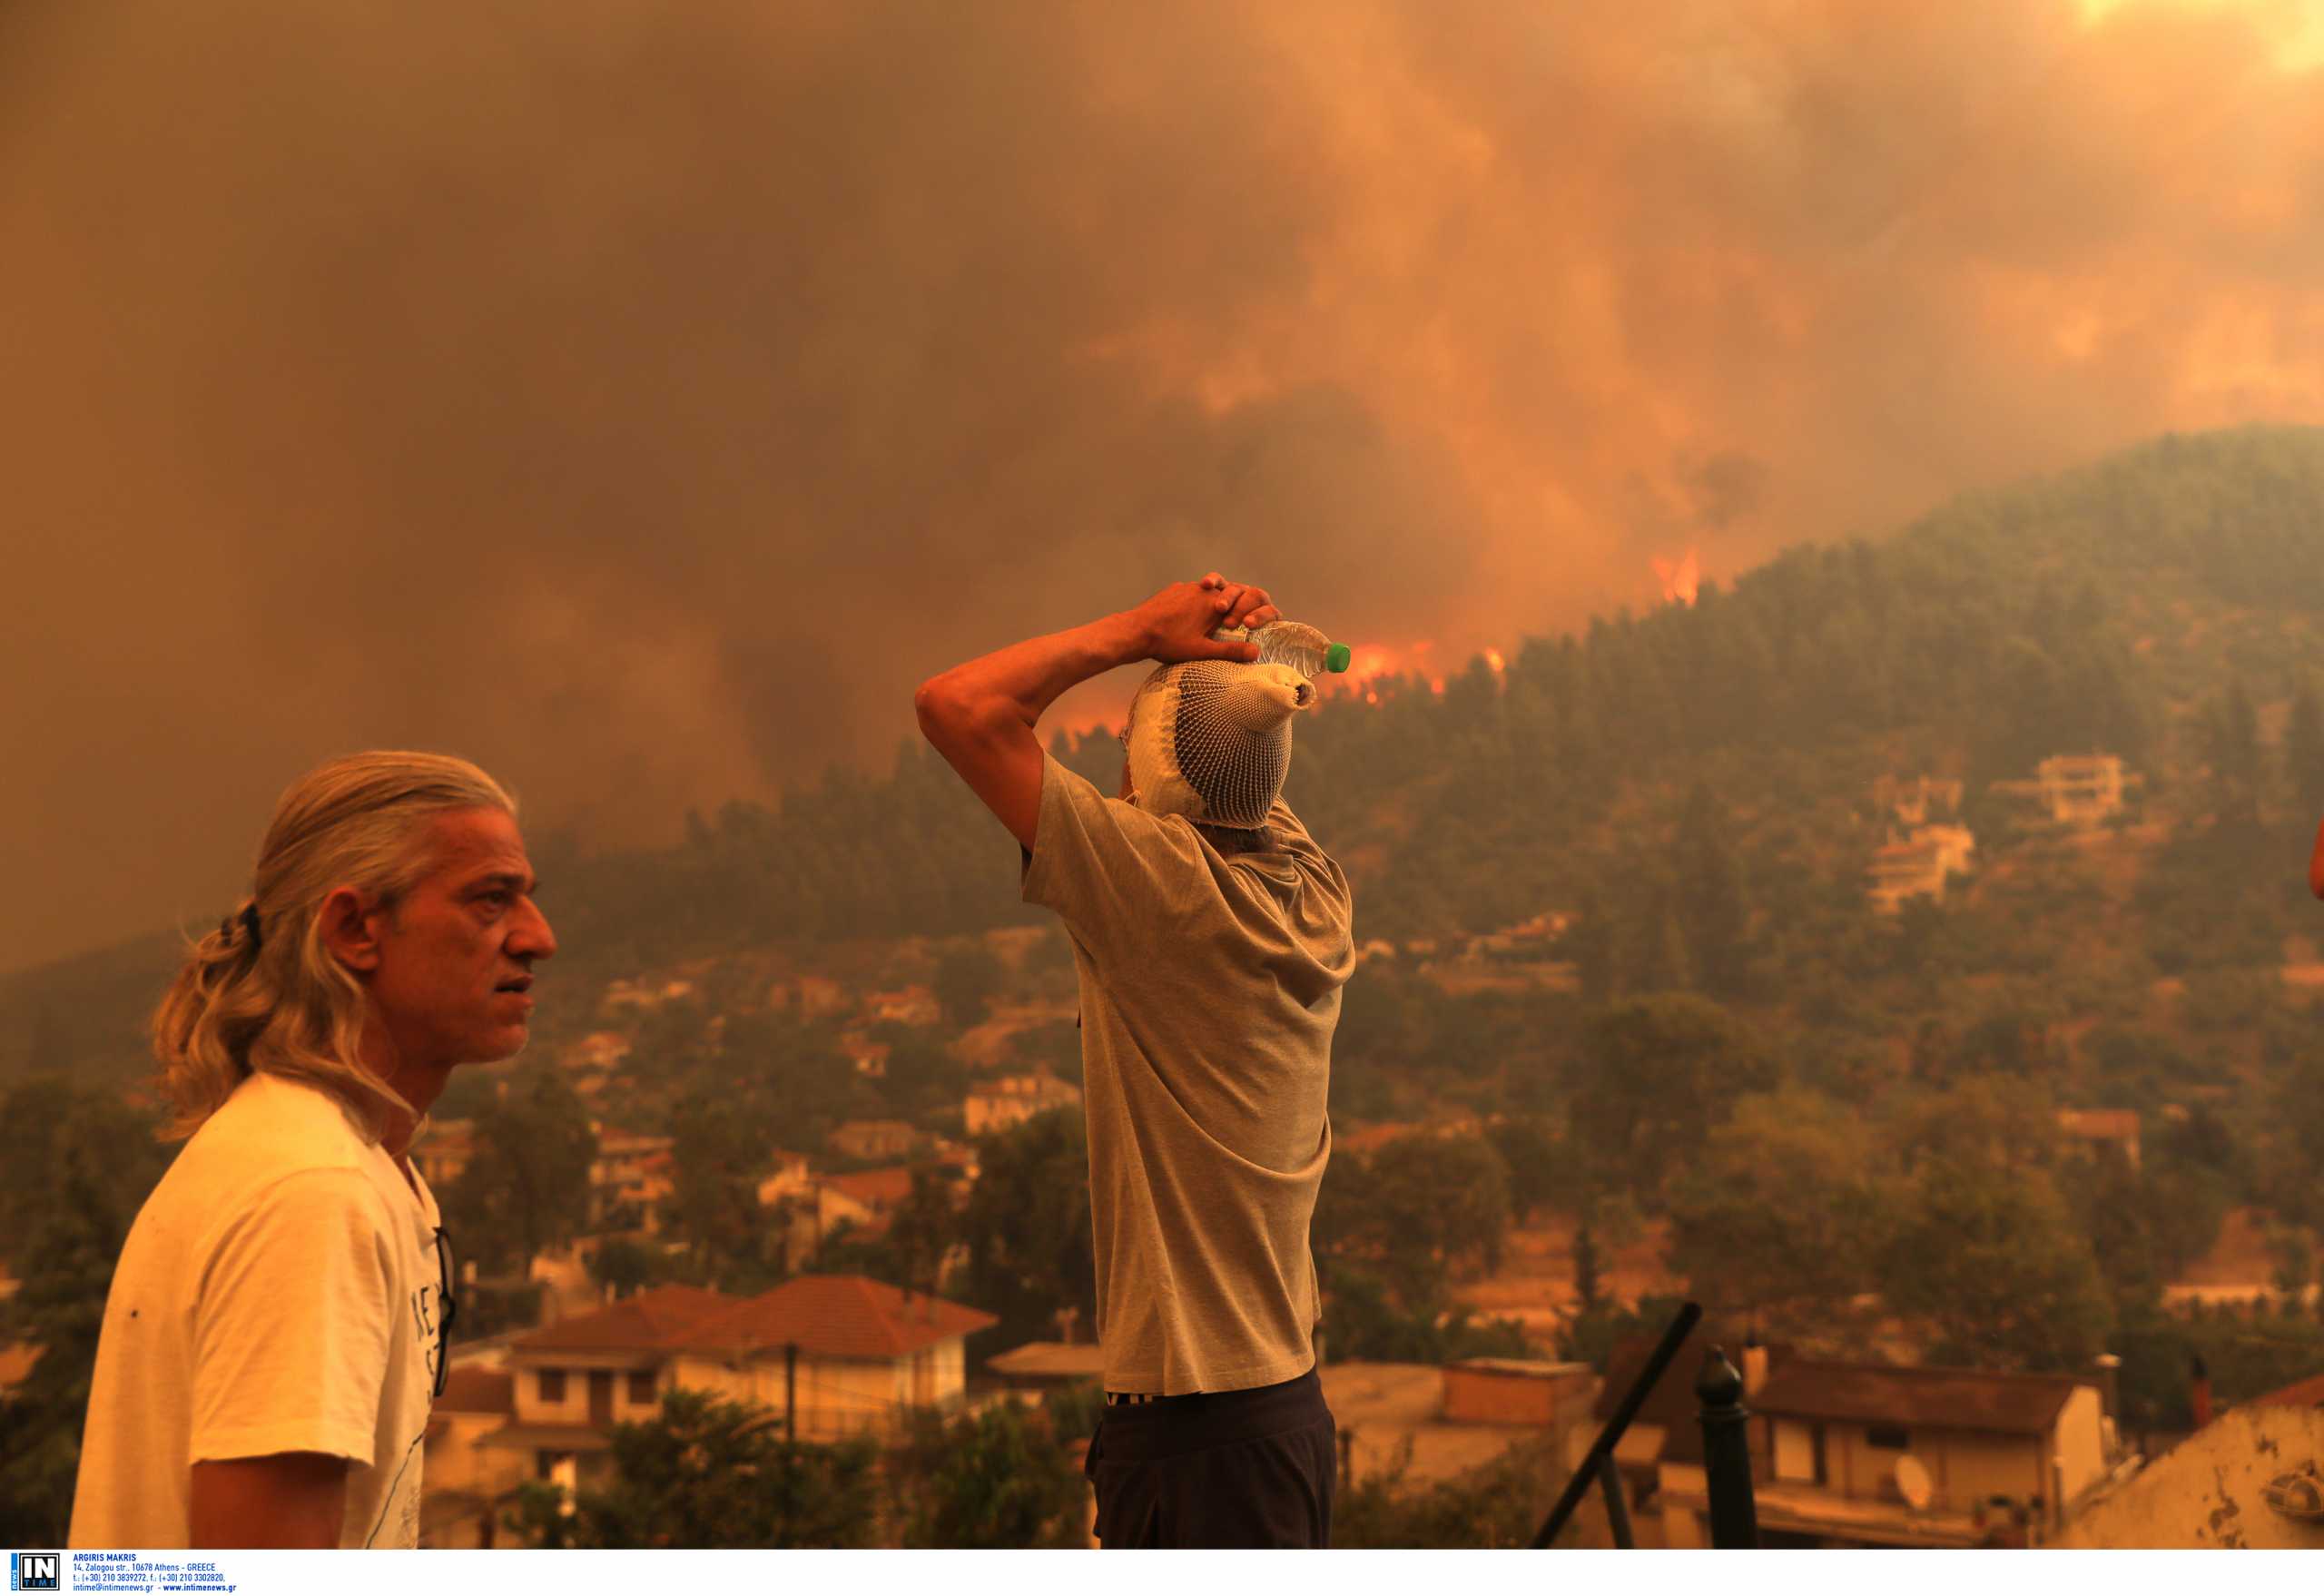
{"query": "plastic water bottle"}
[(1288, 643)]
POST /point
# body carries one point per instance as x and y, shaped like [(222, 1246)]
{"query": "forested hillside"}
[(1696, 779)]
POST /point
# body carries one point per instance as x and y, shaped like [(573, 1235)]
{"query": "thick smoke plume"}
[(641, 398)]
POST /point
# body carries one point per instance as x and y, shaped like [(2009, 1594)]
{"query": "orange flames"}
[(1681, 579), (1375, 664)]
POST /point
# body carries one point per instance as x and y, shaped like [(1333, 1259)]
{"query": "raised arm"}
[(980, 716)]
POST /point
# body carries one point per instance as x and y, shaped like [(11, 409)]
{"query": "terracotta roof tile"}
[(838, 1316), (2308, 1392), (1935, 1399), (645, 1323)]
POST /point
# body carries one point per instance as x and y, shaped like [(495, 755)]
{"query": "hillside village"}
[(828, 1356)]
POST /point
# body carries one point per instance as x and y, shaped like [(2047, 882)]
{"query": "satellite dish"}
[(2297, 1495), (1912, 1481)]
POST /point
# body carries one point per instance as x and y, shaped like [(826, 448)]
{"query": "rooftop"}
[(873, 1188), (837, 1316), (1051, 1360), (1382, 1407), (2308, 1392), (650, 1320), (1936, 1399), (2100, 1123), (1529, 1368)]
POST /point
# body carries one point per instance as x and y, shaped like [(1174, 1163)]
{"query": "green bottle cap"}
[(1336, 657)]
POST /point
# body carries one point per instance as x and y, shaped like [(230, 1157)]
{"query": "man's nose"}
[(532, 938)]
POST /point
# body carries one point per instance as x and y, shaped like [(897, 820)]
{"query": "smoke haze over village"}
[(641, 402)]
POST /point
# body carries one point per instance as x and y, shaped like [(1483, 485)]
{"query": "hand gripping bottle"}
[(1288, 643)]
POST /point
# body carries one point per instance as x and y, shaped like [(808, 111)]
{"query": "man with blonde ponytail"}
[(275, 1334)]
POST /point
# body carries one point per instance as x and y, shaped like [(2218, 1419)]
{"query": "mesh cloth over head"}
[(1210, 739)]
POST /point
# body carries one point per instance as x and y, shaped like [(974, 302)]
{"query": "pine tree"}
[(1712, 915), (2239, 762), (1667, 964), (1589, 1283)]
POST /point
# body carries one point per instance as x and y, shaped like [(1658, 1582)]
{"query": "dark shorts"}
[(1219, 1469)]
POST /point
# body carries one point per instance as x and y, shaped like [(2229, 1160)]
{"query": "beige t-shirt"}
[(278, 1293), (1210, 986)]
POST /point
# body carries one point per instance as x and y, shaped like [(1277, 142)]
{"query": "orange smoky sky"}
[(641, 400)]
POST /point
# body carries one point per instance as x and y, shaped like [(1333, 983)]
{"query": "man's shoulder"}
[(271, 1128), (266, 1151), (1293, 849)]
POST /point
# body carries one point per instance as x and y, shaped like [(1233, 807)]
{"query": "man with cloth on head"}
[(1212, 938), (275, 1334)]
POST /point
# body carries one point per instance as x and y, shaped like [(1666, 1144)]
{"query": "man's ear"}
[(344, 927)]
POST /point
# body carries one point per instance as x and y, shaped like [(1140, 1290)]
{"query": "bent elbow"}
[(932, 707)]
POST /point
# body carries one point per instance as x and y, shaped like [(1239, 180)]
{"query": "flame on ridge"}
[(1680, 578)]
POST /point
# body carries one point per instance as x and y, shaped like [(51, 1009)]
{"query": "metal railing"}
[(1727, 1456)]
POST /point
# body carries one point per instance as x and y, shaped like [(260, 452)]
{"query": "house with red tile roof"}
[(836, 1354), (1857, 1454), (876, 1190)]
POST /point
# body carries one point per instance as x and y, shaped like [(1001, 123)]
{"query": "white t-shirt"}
[(278, 1293)]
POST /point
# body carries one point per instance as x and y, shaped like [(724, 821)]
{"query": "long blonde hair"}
[(291, 1009)]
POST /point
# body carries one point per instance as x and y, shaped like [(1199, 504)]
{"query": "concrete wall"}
[(2207, 1490), (1968, 1468), (1683, 1528), (532, 1408), (1487, 1396), (836, 1398), (2080, 1443), (1795, 1451), (1963, 1466), (454, 1461)]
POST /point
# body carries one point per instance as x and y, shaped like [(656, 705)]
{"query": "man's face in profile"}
[(457, 943)]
